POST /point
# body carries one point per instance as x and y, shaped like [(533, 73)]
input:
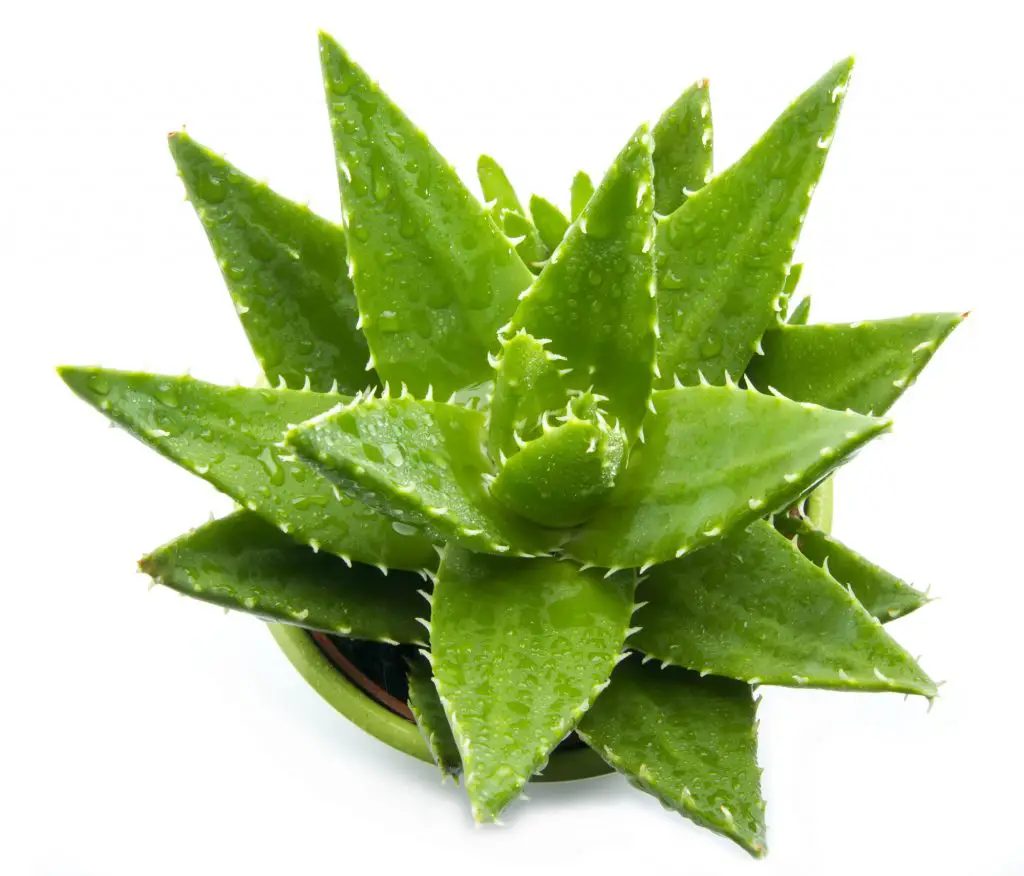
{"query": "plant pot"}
[(365, 700)]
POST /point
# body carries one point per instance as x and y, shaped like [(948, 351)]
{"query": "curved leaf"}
[(434, 276), (755, 609), (882, 594), (426, 708), (864, 366), (422, 463), (689, 741), (520, 649), (561, 478), (801, 313), (682, 148), (723, 256), (285, 269), (594, 300), (246, 564), (714, 460), (230, 436)]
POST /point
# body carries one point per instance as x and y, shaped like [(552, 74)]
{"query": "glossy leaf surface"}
[(229, 436), (421, 463), (286, 271), (601, 278), (433, 275), (755, 609), (243, 563), (723, 255), (520, 650), (682, 149), (865, 366), (714, 459), (689, 741)]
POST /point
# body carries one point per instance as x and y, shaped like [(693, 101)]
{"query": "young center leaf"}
[(243, 563), (582, 191), (520, 649), (426, 708), (285, 268), (865, 366), (682, 149), (882, 594), (421, 463), (594, 300), (434, 277), (788, 290), (561, 478), (713, 460), (689, 741), (755, 609), (230, 437), (724, 254), (528, 384), (550, 221), (508, 213)]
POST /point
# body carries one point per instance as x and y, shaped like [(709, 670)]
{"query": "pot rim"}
[(400, 733)]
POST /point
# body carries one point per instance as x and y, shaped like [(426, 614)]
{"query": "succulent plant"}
[(567, 457)]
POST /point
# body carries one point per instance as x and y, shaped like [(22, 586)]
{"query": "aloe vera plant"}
[(567, 457)]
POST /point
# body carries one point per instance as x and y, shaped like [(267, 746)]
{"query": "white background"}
[(146, 734)]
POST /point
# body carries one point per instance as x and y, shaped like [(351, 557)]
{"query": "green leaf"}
[(714, 460), (520, 649), (801, 313), (426, 708), (882, 594), (755, 609), (229, 436), (244, 563), (601, 278), (422, 463), (562, 477), (550, 221), (434, 276), (582, 192), (723, 256), (508, 212), (682, 149), (528, 384), (689, 741), (792, 281), (865, 366), (285, 269)]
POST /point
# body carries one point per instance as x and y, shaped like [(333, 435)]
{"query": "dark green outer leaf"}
[(244, 563), (229, 437), (286, 270), (682, 148), (882, 594), (601, 279), (714, 460), (723, 255), (434, 276), (863, 366), (689, 741), (582, 192), (755, 609), (426, 708), (520, 649), (422, 463)]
